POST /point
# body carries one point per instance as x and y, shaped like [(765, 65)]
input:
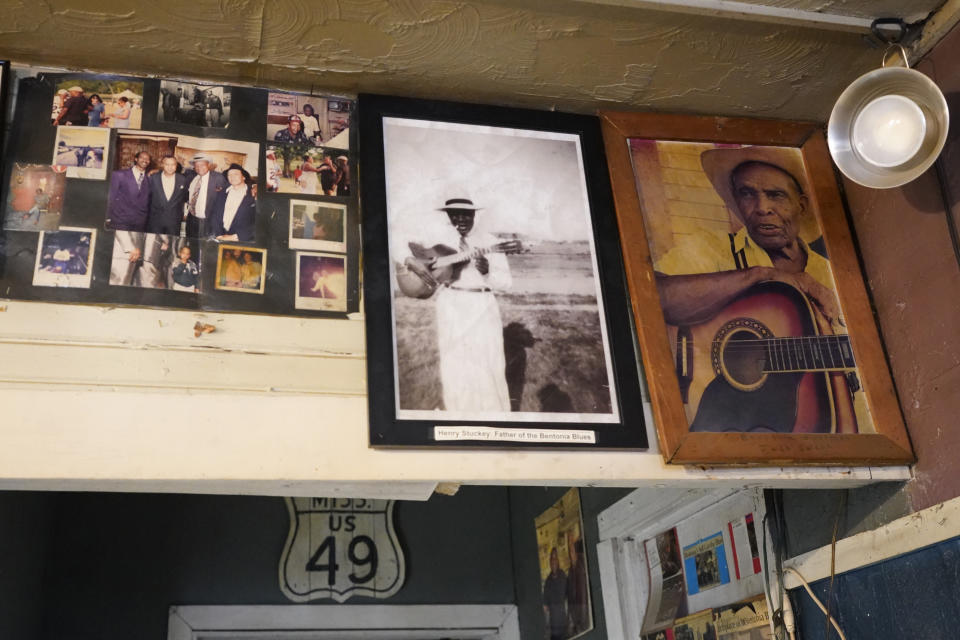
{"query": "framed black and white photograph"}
[(489, 235)]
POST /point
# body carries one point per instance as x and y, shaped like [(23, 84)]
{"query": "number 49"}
[(329, 544)]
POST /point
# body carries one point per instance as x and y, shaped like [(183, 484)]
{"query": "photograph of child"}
[(64, 258), (155, 261), (98, 101), (198, 104), (321, 282), (185, 275), (308, 120), (34, 198), (317, 225), (83, 151), (297, 168), (241, 268)]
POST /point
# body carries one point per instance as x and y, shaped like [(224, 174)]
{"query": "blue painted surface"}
[(913, 596)]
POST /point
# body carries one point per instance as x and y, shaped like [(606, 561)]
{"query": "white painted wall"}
[(102, 398)]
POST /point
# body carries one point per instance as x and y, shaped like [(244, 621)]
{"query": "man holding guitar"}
[(712, 274), (462, 267)]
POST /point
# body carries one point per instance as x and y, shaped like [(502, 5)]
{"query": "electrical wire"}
[(816, 600)]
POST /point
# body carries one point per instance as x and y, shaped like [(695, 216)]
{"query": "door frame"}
[(386, 622)]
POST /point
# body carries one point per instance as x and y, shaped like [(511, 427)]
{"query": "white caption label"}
[(497, 434)]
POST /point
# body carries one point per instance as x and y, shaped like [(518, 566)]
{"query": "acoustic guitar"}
[(760, 365), (445, 264)]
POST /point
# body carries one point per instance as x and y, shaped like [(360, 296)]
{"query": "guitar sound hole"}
[(744, 358)]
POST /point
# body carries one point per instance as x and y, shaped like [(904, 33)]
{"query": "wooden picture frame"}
[(886, 443), (535, 183)]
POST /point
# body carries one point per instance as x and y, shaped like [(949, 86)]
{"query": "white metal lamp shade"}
[(888, 127)]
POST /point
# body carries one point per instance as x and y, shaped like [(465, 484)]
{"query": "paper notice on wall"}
[(747, 620), (667, 601), (705, 563), (744, 547), (713, 555)]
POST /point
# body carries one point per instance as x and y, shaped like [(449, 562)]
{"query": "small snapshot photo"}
[(83, 151), (34, 198), (293, 168), (241, 268), (296, 118), (98, 101), (318, 225), (564, 582), (65, 258), (321, 282), (155, 261), (201, 105)]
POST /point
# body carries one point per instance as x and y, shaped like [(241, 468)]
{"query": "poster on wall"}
[(168, 171), (564, 579)]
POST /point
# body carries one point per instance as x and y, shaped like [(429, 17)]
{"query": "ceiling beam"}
[(750, 11)]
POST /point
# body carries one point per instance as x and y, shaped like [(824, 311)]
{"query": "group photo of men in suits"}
[(195, 201), (161, 209)]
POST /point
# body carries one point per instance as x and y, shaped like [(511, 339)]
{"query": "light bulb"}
[(889, 130)]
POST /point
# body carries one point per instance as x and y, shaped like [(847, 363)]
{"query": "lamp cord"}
[(816, 600)]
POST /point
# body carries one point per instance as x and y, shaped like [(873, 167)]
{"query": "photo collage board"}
[(168, 193)]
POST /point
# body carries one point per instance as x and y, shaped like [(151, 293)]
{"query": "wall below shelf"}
[(127, 399)]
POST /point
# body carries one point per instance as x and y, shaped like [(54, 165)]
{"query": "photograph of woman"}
[(95, 111)]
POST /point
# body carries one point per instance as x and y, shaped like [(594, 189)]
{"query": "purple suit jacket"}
[(128, 205)]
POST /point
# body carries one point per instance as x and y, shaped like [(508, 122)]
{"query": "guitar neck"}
[(464, 256), (808, 353)]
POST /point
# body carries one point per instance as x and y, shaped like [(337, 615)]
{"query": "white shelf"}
[(98, 398)]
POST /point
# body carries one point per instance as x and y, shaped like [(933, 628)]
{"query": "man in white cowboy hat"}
[(469, 327), (205, 186), (765, 188)]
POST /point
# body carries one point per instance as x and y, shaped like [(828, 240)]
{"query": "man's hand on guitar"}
[(823, 299), (422, 270), (482, 264)]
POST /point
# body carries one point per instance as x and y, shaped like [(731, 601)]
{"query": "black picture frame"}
[(575, 425)]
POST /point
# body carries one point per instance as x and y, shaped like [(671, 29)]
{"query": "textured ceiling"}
[(573, 55)]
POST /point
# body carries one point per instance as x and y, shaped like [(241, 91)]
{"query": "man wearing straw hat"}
[(765, 188), (469, 327)]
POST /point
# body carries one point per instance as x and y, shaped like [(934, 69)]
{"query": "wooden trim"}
[(912, 532), (890, 445), (492, 622)]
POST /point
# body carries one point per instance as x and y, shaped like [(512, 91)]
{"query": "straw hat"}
[(719, 164), (458, 204)]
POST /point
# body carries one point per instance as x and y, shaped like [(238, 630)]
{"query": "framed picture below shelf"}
[(758, 340), (496, 313)]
